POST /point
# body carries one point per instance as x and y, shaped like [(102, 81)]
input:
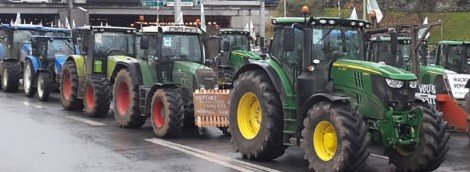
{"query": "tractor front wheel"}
[(167, 113), (69, 87), (28, 79), (97, 96), (432, 148), (126, 101), (256, 118), (44, 86), (335, 138), (11, 76)]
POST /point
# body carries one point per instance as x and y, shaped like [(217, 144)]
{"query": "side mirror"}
[(226, 46), (144, 43), (289, 36)]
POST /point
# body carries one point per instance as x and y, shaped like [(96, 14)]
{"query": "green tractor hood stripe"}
[(376, 69)]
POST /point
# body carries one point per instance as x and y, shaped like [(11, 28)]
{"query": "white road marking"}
[(212, 157), (37, 106), (378, 156), (86, 121)]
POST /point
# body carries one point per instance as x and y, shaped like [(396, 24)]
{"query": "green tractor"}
[(86, 77), (167, 82), (444, 75), (313, 89), (236, 50)]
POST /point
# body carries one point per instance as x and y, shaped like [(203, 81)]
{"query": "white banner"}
[(457, 84)]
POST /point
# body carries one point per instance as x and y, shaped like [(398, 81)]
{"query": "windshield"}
[(111, 43), (59, 47), (456, 57), (237, 41), (383, 53), (22, 36), (343, 41), (181, 47)]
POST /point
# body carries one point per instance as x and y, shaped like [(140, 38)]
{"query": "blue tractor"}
[(43, 67), (15, 45)]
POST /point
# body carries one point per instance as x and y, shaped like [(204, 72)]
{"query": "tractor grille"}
[(398, 99), (206, 78)]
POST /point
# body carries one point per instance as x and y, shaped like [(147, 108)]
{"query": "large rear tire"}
[(167, 113), (97, 96), (11, 76), (126, 101), (44, 86), (29, 79), (335, 138), (432, 148), (69, 87), (256, 117)]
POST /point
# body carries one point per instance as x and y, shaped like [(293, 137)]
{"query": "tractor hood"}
[(59, 61), (246, 54), (438, 70), (376, 69), (194, 75)]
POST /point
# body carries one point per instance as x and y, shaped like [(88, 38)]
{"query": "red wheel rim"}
[(123, 101), (90, 97), (158, 118), (67, 86)]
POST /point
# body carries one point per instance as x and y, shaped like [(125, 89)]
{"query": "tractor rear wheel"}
[(126, 101), (69, 87), (167, 113), (28, 79), (11, 76), (432, 148), (335, 138), (97, 96), (256, 117), (44, 86)]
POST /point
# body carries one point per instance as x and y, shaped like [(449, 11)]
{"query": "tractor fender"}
[(318, 97), (35, 62), (275, 80), (148, 99), (134, 70), (80, 63)]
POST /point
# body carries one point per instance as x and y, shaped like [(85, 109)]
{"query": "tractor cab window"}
[(113, 43), (22, 36), (341, 42), (456, 58), (383, 53), (181, 47), (59, 47), (237, 41)]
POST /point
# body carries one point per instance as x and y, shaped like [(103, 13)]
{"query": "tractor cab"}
[(237, 39), (51, 49), (178, 55), (454, 55), (100, 42), (18, 39), (381, 51)]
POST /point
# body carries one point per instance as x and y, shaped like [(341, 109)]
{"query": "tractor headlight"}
[(394, 83), (413, 84)]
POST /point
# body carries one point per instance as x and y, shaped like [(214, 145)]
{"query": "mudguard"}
[(35, 62), (331, 97), (116, 63), (80, 63), (156, 86), (275, 80)]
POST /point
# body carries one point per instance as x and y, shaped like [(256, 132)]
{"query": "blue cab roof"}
[(54, 29), (20, 27)]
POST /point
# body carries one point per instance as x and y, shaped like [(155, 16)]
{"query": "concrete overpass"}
[(237, 12)]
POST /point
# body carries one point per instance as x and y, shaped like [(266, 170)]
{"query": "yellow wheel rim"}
[(249, 115), (325, 140)]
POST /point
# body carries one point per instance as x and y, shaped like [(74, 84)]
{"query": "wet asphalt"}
[(41, 136)]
